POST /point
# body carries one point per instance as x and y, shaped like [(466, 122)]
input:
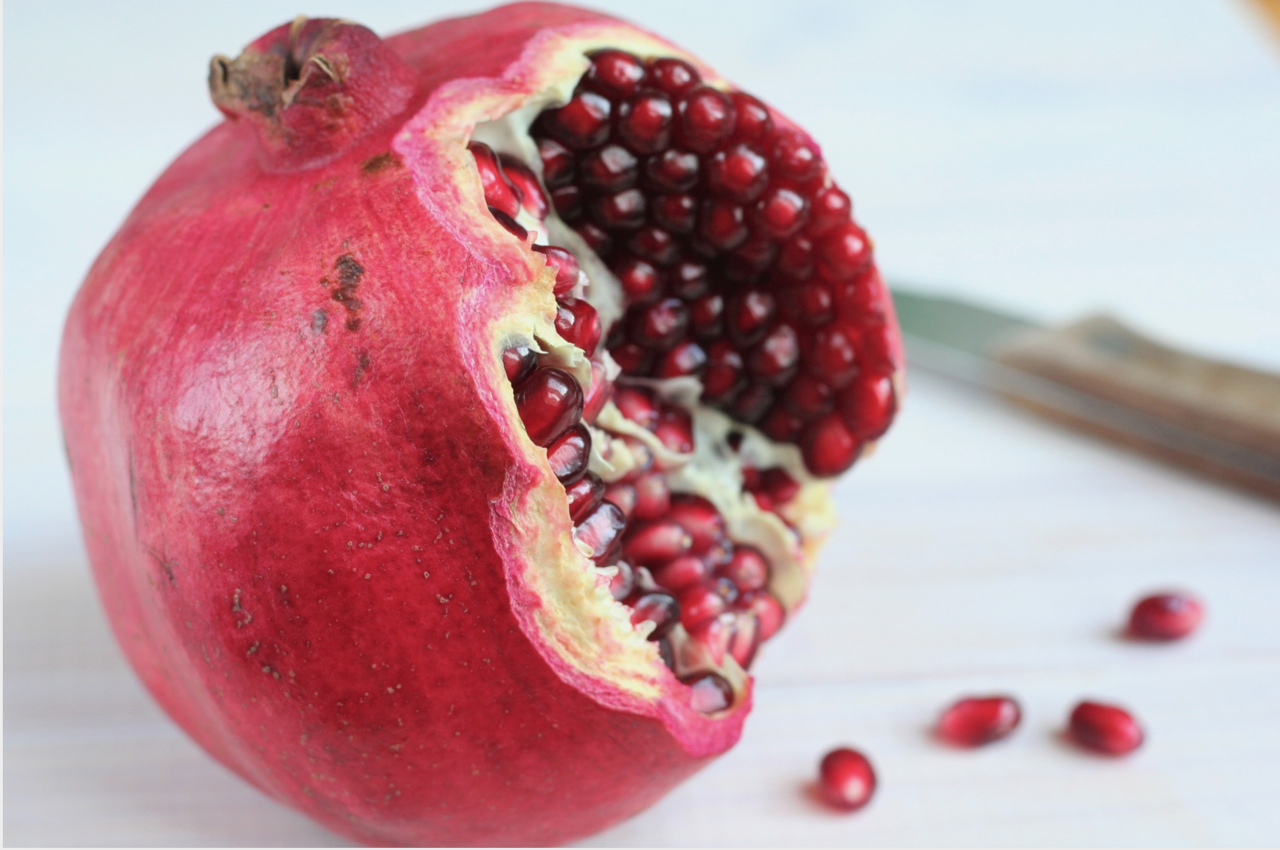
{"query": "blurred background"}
[(1049, 159)]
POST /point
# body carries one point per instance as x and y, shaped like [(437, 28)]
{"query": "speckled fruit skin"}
[(309, 504)]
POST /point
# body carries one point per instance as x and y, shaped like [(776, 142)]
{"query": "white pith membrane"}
[(578, 615)]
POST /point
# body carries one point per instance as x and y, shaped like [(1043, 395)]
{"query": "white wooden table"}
[(981, 551)]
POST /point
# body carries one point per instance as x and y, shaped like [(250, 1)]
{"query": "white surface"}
[(1054, 158)]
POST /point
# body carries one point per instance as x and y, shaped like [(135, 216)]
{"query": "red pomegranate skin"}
[(302, 492)]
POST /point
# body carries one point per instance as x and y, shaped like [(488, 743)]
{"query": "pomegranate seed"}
[(498, 191), (689, 280), (794, 157), (620, 211), (739, 173), (723, 224), (568, 455), (874, 351), (675, 430), (846, 779), (698, 517), (714, 635), (844, 252), (700, 603), (655, 244), (677, 213), (779, 484), (558, 167), (1165, 616), (582, 123), (661, 325), (831, 208), (666, 653), (752, 403), (795, 260), (750, 259), (641, 458), (1104, 728), (868, 405), (615, 73), (673, 76), (568, 202), (754, 122), (623, 582), (745, 641), (601, 391), (652, 496), (750, 315), (672, 171), (767, 608), (565, 265), (519, 362), (644, 123), (828, 447), (809, 397), (526, 185), (549, 402), (637, 404), (597, 240), (974, 721), (661, 609), (612, 168), (723, 375), (814, 303), (833, 356), (780, 213), (705, 119), (624, 496), (783, 426), (682, 573), (513, 227), (725, 589), (584, 496), (775, 360), (687, 358), (656, 543), (600, 531), (709, 692), (748, 569), (641, 282), (707, 316), (578, 324)]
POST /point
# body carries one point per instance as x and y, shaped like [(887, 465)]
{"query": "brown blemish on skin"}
[(362, 363), (381, 162), (348, 272)]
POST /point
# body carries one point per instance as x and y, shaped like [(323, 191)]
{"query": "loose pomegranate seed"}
[(656, 543), (582, 123), (498, 191), (519, 362), (1104, 728), (600, 531), (612, 168), (578, 324), (558, 165), (526, 185), (687, 358), (661, 609), (549, 402), (846, 779), (700, 518), (675, 429), (754, 122), (568, 455), (974, 721), (585, 496), (1165, 616), (828, 447), (709, 692), (565, 265), (673, 76), (615, 74), (623, 581), (652, 496), (868, 405), (682, 573), (748, 569), (638, 405), (644, 123)]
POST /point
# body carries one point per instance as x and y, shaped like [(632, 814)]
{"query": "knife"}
[(1096, 374)]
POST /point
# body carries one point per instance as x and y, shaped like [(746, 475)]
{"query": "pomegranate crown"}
[(311, 88)]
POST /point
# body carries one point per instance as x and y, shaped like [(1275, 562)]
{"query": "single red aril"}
[(868, 406), (846, 779), (973, 721), (1104, 728), (1165, 616), (828, 447), (661, 609), (699, 604), (377, 468), (549, 401)]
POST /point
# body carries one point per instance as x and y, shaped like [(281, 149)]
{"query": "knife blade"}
[(1099, 375)]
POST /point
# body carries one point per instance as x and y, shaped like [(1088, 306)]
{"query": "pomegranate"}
[(1104, 728), (846, 779), (452, 424), (974, 721), (1165, 617)]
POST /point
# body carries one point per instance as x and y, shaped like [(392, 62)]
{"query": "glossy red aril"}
[(519, 362), (569, 454), (846, 779), (711, 692), (748, 569), (973, 721), (498, 191), (578, 324), (549, 402), (1104, 728), (585, 496), (1165, 617), (565, 265), (661, 609)]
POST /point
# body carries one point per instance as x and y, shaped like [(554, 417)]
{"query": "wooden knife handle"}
[(1214, 417)]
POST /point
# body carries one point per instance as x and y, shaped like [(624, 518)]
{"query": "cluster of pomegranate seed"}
[(737, 254)]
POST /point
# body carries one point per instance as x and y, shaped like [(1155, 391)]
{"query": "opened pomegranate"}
[(453, 423)]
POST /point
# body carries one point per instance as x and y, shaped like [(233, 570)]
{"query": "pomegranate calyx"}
[(311, 88)]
